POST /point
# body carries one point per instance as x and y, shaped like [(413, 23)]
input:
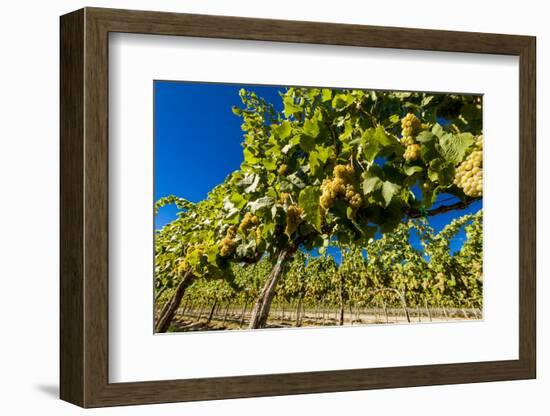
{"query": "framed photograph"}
[(256, 207)]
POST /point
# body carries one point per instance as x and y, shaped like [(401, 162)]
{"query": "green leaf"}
[(308, 200), (371, 146), (232, 216), (311, 127), (428, 151), (438, 130), (307, 143), (314, 163), (237, 200), (389, 190), (370, 151), (260, 204), (426, 100), (290, 107), (317, 159), (371, 185), (277, 214), (296, 181), (394, 118), (382, 137), (375, 141), (323, 153), (283, 130), (454, 146), (291, 143), (269, 164), (249, 157), (246, 249), (425, 137), (411, 170), (348, 130), (342, 101), (441, 172), (254, 185), (326, 94)]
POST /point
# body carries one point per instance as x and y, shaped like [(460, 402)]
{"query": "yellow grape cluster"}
[(248, 222), (469, 174), (284, 198), (293, 219), (228, 243), (196, 250), (412, 152), (282, 169), (340, 186), (410, 126), (258, 235)]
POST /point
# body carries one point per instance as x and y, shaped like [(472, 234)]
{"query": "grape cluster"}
[(479, 142), (195, 250), (228, 243), (282, 169), (412, 152), (248, 222), (258, 235), (341, 186), (410, 126), (248, 226), (293, 219), (284, 198), (469, 174)]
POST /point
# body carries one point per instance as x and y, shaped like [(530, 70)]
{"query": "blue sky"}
[(198, 142)]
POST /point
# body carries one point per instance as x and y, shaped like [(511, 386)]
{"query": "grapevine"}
[(352, 169)]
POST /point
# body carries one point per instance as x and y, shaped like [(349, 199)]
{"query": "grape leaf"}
[(283, 130), (411, 170), (307, 143), (454, 146), (342, 101), (389, 190), (254, 185), (237, 200), (326, 94), (260, 203), (371, 184), (290, 107), (308, 200), (311, 127), (425, 136)]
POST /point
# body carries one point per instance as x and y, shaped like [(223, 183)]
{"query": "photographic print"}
[(285, 207)]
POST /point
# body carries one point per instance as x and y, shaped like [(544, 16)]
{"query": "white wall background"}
[(29, 81)]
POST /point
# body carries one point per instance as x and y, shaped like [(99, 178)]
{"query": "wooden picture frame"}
[(84, 207)]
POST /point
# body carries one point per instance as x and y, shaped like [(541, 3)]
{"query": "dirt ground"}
[(234, 320)]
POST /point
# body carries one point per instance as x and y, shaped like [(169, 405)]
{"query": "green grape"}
[(293, 219), (469, 174), (410, 125), (340, 187), (412, 152)]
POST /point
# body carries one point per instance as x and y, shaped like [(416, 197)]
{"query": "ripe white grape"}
[(469, 174), (410, 125), (341, 186), (293, 219), (412, 152)]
